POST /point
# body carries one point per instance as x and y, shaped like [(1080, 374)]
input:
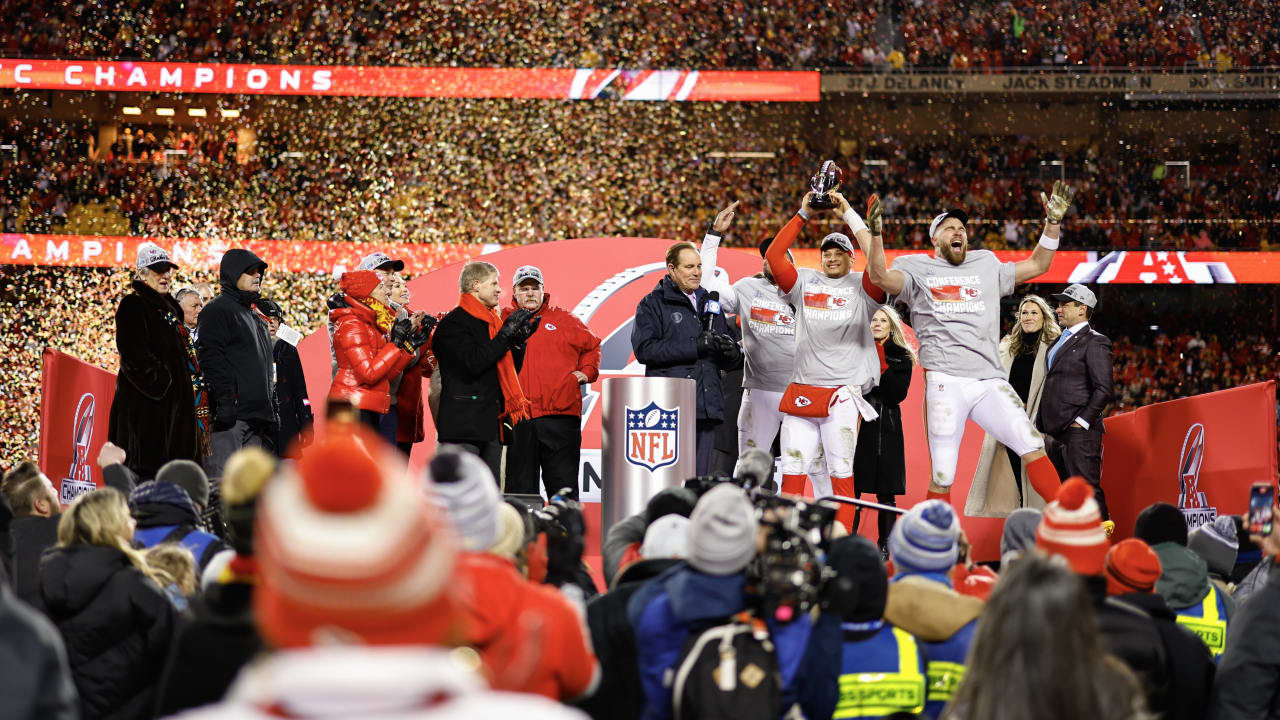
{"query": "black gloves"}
[(422, 335), (401, 330), (706, 343), (224, 416), (518, 327), (728, 354)]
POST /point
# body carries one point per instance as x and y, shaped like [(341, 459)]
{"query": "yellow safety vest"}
[(879, 694), (944, 678), (1209, 625)]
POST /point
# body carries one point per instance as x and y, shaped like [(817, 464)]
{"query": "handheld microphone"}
[(710, 309)]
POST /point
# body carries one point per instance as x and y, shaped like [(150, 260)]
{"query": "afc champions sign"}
[(1192, 502), (78, 480), (653, 438)]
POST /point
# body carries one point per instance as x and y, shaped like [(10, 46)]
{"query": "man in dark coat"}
[(479, 386), (235, 354), (679, 334), (155, 416), (879, 462), (1078, 384), (33, 529), (296, 419), (35, 679)]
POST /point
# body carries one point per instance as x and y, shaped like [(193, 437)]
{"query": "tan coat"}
[(993, 493)]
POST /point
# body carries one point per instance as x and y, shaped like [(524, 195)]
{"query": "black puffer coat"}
[(879, 463), (153, 415), (117, 625)]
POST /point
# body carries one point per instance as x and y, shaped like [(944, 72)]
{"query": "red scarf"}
[(518, 406)]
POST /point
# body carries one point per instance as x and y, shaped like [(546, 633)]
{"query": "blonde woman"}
[(1000, 483), (879, 463), (114, 618)]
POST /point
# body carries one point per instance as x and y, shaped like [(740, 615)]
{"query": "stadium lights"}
[(292, 154), (9, 146), (230, 113), (197, 112), (721, 154), (171, 151), (164, 112), (1062, 167), (875, 162), (131, 110)]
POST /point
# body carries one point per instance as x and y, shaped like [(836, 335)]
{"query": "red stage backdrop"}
[(1200, 453), (75, 404)]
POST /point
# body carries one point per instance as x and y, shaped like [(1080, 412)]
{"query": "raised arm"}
[(784, 273), (870, 239), (1054, 208), (711, 248)]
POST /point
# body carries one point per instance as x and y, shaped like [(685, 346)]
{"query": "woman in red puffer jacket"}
[(370, 345)]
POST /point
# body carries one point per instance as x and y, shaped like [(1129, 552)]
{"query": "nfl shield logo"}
[(652, 437)]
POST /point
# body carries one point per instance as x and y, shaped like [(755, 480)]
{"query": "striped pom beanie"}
[(463, 487), (1072, 528), (350, 550), (925, 539)]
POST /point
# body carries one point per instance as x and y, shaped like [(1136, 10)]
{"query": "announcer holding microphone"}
[(680, 332)]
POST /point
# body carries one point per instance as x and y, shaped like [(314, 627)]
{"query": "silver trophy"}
[(825, 181)]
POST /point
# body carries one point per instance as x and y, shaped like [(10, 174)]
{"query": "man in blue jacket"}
[(679, 334)]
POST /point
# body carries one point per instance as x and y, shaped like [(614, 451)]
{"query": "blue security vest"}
[(881, 674), (1208, 619)]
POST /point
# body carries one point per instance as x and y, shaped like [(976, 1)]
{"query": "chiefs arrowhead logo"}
[(802, 401)]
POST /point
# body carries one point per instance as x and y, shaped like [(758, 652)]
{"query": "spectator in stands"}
[(510, 616), (1184, 582), (292, 398), (221, 638), (1037, 653), (1019, 535), (160, 411), (371, 346), (1216, 544), (169, 509), (882, 670), (923, 547), (368, 620), (235, 354), (35, 679), (1022, 352), (33, 529), (174, 570), (480, 390), (191, 303), (206, 292), (620, 695), (1248, 680), (553, 367), (115, 620), (710, 587), (623, 541)]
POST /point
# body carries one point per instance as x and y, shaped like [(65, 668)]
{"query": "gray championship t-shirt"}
[(834, 346), (768, 334), (955, 311)]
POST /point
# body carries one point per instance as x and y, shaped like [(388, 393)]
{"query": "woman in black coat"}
[(115, 620), (160, 411), (879, 463)]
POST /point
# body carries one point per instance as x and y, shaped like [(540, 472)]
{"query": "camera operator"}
[(622, 542)]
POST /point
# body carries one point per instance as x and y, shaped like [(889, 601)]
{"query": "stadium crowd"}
[(688, 34)]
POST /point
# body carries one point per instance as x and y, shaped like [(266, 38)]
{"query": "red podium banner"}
[(75, 405), (1200, 453)]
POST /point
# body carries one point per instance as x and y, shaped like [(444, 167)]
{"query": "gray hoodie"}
[(1185, 578)]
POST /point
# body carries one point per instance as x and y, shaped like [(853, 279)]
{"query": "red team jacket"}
[(561, 345), (366, 361)]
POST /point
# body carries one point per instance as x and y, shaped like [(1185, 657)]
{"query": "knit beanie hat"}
[(464, 489), (245, 475), (670, 501), (511, 532), (1217, 544), (860, 588), (1072, 528), (189, 476), (350, 550), (1019, 531), (1132, 567), (1160, 523), (722, 531), (925, 539), (359, 283), (667, 537)]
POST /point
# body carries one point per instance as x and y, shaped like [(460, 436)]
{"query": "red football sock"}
[(1044, 478), (844, 486), (794, 484), (935, 495)]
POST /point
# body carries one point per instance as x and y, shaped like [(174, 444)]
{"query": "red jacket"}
[(561, 345), (366, 361)]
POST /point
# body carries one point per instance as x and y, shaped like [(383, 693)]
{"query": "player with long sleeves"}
[(954, 298)]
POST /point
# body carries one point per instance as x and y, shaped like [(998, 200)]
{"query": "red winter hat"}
[(1072, 527), (1132, 567), (350, 550), (359, 283)]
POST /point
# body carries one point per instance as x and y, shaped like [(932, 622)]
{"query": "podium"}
[(648, 437)]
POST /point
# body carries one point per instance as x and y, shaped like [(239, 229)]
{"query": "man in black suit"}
[(480, 390), (1077, 388)]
